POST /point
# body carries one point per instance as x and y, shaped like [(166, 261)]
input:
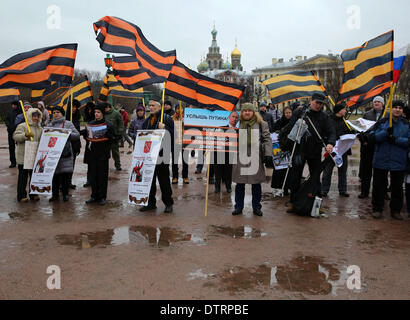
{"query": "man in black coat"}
[(339, 111), (266, 116), (11, 116), (161, 169), (367, 149), (310, 148), (99, 149)]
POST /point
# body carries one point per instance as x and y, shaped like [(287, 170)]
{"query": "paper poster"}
[(344, 143), (30, 152), (144, 160), (210, 130), (96, 133), (49, 151), (361, 124)]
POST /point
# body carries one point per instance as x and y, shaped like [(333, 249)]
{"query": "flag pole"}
[(25, 118), (163, 101), (71, 105), (207, 182)]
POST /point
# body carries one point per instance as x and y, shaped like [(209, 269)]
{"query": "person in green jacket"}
[(113, 116)]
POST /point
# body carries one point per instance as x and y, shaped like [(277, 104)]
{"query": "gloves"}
[(268, 161), (391, 139), (390, 131), (29, 135)]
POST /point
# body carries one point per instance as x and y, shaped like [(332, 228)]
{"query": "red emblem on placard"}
[(147, 146), (52, 142)]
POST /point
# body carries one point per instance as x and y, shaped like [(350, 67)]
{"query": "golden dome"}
[(235, 51)]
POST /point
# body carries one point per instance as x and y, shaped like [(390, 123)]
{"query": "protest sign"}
[(49, 151), (144, 160), (210, 130), (361, 124), (30, 152)]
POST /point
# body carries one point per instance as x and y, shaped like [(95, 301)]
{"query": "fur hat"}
[(248, 106), (338, 107), (61, 109)]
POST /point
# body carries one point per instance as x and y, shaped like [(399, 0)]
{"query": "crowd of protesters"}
[(307, 132)]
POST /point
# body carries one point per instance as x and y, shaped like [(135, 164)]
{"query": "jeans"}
[(380, 188), (240, 196)]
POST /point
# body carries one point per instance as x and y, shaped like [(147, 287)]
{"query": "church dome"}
[(203, 66), (236, 52)]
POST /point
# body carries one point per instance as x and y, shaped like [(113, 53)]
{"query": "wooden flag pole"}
[(392, 88), (25, 118), (180, 109), (163, 101), (207, 181), (71, 105)]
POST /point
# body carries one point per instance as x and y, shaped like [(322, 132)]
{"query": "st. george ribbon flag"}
[(36, 69), (367, 67), (293, 85)]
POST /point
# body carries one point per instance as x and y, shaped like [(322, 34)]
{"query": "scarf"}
[(248, 124)]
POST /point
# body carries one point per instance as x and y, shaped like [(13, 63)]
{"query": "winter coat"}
[(65, 165), (372, 115), (311, 146), (265, 149), (282, 122), (20, 119), (135, 125), (115, 118), (76, 144), (19, 134), (98, 151), (125, 118), (387, 156), (10, 118), (268, 118), (276, 115)]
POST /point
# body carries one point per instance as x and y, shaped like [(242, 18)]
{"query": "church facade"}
[(214, 66)]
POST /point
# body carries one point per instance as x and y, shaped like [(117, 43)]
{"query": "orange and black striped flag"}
[(9, 95), (359, 100), (80, 90), (113, 87), (55, 87), (198, 90), (130, 74), (120, 36), (367, 67), (37, 68), (293, 85)]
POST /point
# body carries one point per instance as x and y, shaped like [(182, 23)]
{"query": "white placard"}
[(144, 160), (361, 124), (30, 152), (49, 151)]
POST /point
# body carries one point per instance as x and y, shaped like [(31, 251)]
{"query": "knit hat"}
[(338, 107), (100, 107), (248, 106), (61, 109), (140, 107), (398, 103), (379, 98), (27, 105)]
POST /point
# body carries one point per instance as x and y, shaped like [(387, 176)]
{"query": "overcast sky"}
[(264, 28)]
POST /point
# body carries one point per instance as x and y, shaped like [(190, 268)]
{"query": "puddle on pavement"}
[(306, 275), (246, 232), (139, 235), (377, 239), (195, 197)]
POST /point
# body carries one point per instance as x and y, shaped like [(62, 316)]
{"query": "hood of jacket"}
[(29, 115)]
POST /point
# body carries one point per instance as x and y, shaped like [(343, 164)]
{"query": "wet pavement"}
[(117, 252)]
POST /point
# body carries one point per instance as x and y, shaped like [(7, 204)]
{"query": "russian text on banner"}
[(210, 130)]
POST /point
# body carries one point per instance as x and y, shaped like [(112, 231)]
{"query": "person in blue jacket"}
[(390, 155)]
